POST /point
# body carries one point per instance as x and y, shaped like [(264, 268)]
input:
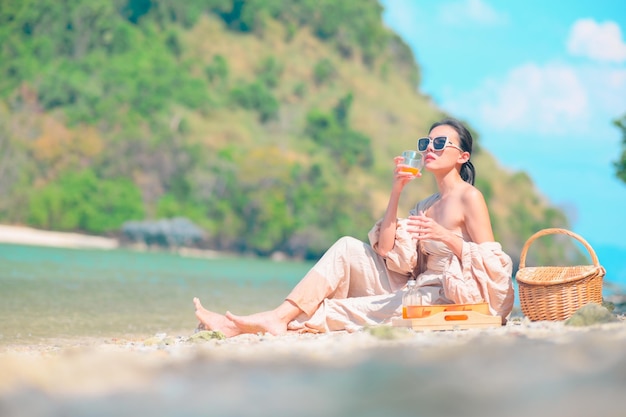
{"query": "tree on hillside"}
[(267, 123), (620, 165), (332, 130)]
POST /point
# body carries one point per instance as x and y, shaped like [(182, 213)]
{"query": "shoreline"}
[(28, 236), (23, 235)]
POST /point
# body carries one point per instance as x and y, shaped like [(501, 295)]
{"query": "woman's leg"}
[(350, 314), (350, 268), (215, 321), (273, 321)]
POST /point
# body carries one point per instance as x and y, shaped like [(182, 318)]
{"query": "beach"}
[(23, 235), (520, 369)]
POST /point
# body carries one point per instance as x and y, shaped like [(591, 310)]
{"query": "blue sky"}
[(541, 81)]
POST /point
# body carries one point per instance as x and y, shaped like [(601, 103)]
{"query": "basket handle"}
[(522, 260)]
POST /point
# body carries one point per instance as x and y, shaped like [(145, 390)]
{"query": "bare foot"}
[(265, 322), (214, 321)]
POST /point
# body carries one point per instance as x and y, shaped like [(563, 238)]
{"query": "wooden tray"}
[(450, 320), (418, 312)]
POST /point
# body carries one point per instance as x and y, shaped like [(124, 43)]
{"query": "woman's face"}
[(448, 156)]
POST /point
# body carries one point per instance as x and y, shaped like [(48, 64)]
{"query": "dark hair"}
[(468, 172)]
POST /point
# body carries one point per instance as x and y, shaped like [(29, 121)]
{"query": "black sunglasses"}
[(439, 143)]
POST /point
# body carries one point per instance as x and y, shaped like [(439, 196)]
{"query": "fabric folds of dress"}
[(352, 286)]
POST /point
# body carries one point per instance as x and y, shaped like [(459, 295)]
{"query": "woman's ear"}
[(464, 157)]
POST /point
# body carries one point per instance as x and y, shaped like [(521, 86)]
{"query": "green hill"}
[(270, 124)]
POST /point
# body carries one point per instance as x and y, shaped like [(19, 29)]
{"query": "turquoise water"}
[(614, 261), (48, 293), (54, 293)]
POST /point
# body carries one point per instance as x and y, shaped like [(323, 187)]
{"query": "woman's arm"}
[(477, 221), (388, 225)]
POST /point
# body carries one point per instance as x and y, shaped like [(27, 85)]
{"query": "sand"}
[(522, 369), (28, 236)]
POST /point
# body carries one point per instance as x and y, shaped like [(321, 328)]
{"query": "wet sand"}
[(523, 368)]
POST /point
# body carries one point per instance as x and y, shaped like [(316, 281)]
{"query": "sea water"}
[(56, 293), (48, 293)]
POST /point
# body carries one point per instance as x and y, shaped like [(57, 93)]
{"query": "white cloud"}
[(471, 11), (597, 41), (548, 99), (607, 88)]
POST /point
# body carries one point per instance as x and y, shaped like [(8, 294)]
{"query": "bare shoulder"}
[(477, 221), (472, 195), (474, 202)]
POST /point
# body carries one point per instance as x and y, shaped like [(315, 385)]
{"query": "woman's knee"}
[(349, 243), (353, 247)]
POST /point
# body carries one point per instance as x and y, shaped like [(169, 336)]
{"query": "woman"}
[(446, 244)]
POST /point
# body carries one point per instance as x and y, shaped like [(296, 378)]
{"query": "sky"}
[(541, 82)]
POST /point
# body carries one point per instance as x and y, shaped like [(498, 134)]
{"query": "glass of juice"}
[(412, 162)]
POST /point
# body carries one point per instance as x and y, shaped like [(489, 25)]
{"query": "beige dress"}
[(352, 286)]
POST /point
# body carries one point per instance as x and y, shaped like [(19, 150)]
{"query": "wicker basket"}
[(556, 292)]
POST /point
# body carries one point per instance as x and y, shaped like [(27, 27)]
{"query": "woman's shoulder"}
[(474, 203), (470, 193)]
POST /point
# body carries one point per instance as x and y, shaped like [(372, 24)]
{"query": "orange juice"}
[(420, 311), (414, 312), (412, 170)]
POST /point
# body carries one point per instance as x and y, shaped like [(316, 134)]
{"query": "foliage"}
[(350, 25), (83, 57), (256, 96), (165, 12), (81, 201), (323, 71), (332, 131), (217, 71), (112, 111), (269, 72), (620, 164)]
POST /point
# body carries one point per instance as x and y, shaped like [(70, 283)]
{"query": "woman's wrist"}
[(455, 243)]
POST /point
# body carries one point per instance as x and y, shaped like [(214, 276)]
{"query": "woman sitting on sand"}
[(446, 244)]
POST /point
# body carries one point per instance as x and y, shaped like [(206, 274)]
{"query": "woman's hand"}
[(422, 227), (400, 177)]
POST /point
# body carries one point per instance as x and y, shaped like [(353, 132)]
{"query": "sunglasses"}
[(439, 143)]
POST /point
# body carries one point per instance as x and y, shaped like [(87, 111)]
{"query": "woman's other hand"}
[(423, 227)]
